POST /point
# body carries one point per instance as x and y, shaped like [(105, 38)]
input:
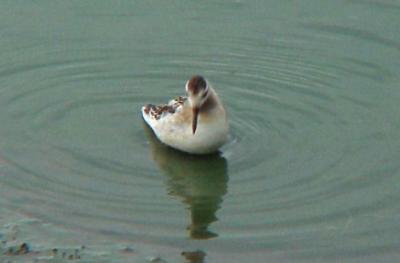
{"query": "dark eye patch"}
[(204, 94)]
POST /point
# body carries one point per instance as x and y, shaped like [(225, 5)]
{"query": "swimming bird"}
[(196, 123)]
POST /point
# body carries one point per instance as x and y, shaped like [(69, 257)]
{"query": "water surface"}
[(310, 172)]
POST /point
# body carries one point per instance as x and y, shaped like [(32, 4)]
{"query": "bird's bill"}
[(194, 121)]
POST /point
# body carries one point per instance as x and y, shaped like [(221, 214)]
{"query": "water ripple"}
[(75, 138)]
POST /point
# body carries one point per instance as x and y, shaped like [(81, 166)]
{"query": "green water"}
[(310, 172)]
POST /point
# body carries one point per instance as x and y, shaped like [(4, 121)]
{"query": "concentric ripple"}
[(309, 171)]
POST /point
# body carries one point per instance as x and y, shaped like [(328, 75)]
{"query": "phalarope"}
[(195, 124)]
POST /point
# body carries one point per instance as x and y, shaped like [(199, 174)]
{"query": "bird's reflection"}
[(194, 256), (200, 181)]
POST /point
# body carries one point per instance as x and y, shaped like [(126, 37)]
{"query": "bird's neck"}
[(211, 102)]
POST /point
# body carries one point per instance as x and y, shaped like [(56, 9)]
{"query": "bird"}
[(196, 123)]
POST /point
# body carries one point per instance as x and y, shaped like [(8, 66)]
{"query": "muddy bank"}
[(27, 239)]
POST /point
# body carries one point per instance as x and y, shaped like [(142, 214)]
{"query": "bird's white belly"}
[(208, 138)]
